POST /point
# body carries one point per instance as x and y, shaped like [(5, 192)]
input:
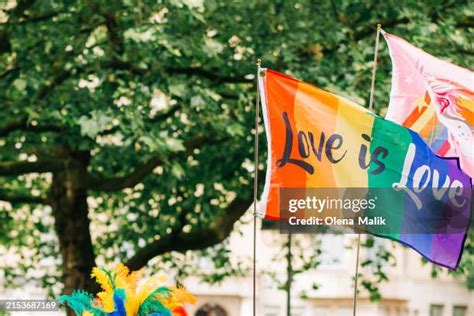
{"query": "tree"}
[(300, 254), (125, 126)]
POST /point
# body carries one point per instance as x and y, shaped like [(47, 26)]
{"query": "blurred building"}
[(410, 291)]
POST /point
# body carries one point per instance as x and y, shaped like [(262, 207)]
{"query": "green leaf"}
[(20, 84), (178, 89), (91, 126), (177, 171), (197, 101), (175, 145), (235, 129)]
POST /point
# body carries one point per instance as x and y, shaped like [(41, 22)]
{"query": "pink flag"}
[(434, 98)]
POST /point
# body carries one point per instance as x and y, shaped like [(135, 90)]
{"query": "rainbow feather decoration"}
[(124, 294)]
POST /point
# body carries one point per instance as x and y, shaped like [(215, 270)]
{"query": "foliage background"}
[(167, 87)]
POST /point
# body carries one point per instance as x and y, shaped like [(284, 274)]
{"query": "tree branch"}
[(44, 17), (369, 30), (466, 22), (15, 168), (140, 172), (60, 77), (211, 74), (161, 116), (200, 238), (5, 46), (21, 7), (13, 124), (16, 197), (113, 34), (20, 122)]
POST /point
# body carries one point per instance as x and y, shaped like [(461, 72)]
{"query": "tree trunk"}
[(68, 198)]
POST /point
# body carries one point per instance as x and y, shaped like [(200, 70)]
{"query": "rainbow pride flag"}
[(320, 140), (434, 98)]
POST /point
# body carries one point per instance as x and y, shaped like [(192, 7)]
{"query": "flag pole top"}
[(258, 62), (379, 26)]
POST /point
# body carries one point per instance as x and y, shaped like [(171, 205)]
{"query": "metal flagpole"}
[(255, 187), (289, 275), (371, 105), (374, 67), (354, 303)]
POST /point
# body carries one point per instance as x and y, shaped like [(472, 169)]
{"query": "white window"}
[(321, 311), (271, 310), (459, 311), (436, 310), (297, 311), (332, 251)]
